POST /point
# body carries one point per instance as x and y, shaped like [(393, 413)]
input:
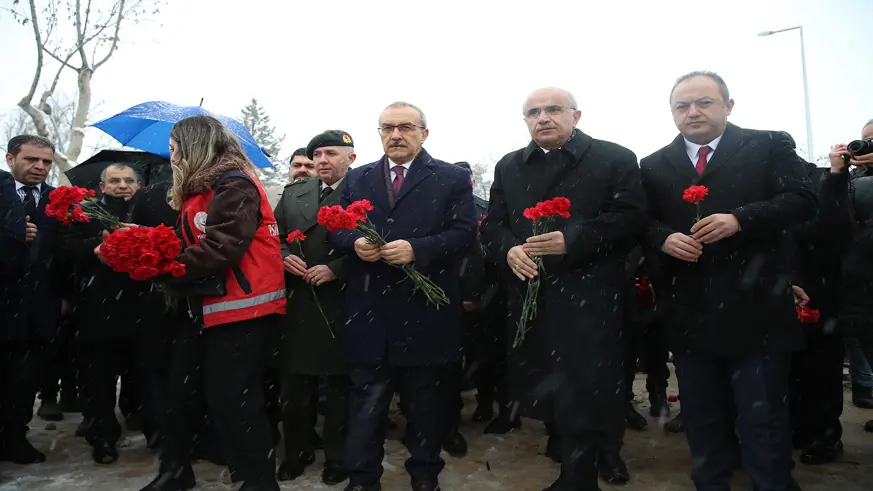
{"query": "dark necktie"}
[(398, 179), (29, 201), (701, 159), (325, 192)]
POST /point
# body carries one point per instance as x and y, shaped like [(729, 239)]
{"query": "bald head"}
[(551, 115)]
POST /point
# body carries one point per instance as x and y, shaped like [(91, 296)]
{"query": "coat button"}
[(390, 221)]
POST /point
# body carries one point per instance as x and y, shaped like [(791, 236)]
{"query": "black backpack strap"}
[(237, 173)]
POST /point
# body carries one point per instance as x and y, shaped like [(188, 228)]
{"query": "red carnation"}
[(556, 206), (695, 194), (336, 218), (359, 209), (143, 252), (295, 236), (807, 315)]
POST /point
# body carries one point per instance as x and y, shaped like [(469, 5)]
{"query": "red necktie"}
[(398, 178), (701, 159)]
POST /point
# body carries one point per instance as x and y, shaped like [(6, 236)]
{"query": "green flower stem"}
[(314, 295)]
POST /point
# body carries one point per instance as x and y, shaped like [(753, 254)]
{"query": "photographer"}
[(852, 219)]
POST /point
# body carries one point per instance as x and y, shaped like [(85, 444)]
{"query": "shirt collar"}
[(693, 148), (19, 185), (392, 164), (333, 186)]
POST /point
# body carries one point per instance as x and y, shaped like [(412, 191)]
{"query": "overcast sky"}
[(470, 64)]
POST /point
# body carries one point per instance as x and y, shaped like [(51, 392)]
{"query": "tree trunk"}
[(77, 137)]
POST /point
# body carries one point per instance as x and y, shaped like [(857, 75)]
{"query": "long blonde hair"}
[(204, 143)]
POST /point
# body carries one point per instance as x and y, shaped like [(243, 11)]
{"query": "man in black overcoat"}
[(31, 286), (729, 304), (569, 368)]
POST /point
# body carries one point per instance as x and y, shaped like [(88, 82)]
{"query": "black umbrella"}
[(152, 168)]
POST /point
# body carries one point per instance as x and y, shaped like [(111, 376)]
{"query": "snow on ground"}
[(514, 462)]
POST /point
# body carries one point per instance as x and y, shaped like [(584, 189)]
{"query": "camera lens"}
[(860, 147)]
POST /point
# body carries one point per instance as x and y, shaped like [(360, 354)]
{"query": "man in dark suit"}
[(313, 344), (568, 370), (394, 337), (725, 281), (30, 279)]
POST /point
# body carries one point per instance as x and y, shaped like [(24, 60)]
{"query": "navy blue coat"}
[(30, 278), (389, 324)]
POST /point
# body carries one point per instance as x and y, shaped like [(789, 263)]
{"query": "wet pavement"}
[(515, 462)]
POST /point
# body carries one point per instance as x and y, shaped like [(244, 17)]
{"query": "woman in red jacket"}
[(235, 285)]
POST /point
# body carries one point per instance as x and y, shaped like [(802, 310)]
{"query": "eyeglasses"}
[(406, 128), (552, 110)]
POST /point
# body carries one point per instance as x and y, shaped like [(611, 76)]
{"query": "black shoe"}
[(862, 397), (502, 425), (553, 449), (260, 486), (426, 486), (133, 422), (317, 440), (21, 452), (612, 468), (360, 487), (50, 411), (484, 412), (455, 444), (392, 425), (675, 425), (83, 427), (659, 407), (818, 454), (181, 479), (635, 420), (868, 426), (105, 453), (211, 453), (293, 468), (333, 473)]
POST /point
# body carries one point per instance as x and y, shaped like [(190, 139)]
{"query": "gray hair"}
[(119, 166), (722, 86), (400, 104), (573, 104)]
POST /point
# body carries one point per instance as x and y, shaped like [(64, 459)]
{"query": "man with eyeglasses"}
[(424, 208), (111, 314), (568, 369)]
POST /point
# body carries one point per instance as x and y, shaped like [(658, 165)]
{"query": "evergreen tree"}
[(257, 121)]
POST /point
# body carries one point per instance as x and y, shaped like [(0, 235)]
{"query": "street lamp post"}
[(811, 155)]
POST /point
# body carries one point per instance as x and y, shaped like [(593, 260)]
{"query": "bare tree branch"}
[(114, 36), (65, 62), (80, 36), (39, 58)]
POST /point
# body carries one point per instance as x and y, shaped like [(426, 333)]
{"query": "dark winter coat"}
[(389, 323), (106, 305), (736, 300), (307, 346), (572, 355), (32, 278)]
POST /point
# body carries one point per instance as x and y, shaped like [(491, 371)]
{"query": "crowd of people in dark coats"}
[(752, 288)]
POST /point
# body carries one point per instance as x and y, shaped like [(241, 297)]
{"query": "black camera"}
[(860, 147)]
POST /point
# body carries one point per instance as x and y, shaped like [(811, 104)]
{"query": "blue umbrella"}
[(147, 127)]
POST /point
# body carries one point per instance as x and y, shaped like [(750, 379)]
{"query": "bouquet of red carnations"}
[(354, 217), (65, 205), (143, 252), (542, 216)]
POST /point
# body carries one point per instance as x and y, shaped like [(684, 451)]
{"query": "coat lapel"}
[(731, 142), (307, 199), (418, 172), (375, 178), (678, 158)]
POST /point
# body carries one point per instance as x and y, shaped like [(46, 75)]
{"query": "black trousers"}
[(235, 359), (186, 427), (863, 332), (816, 390), (60, 371), (101, 363), (758, 386), (648, 344), (21, 370), (300, 412), (424, 406), (486, 355)]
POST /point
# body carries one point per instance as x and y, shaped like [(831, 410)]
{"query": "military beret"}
[(329, 138)]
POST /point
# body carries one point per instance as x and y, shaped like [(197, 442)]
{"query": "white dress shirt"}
[(19, 188), (692, 149), (333, 186), (391, 166)]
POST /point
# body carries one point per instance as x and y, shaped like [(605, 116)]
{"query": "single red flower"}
[(672, 398), (695, 194), (359, 209), (807, 315), (295, 236)]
